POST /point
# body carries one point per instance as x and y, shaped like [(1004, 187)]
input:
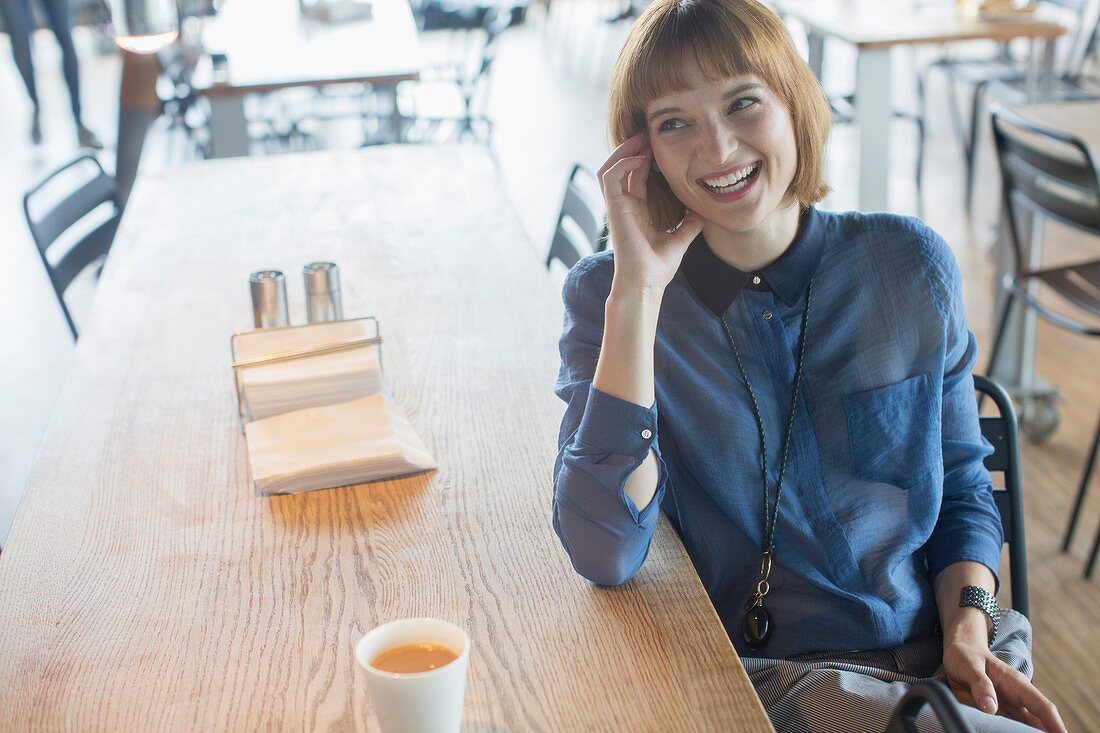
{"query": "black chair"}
[(447, 97), (580, 228), (1006, 78), (187, 111), (947, 709), (78, 192), (1001, 432), (1050, 174)]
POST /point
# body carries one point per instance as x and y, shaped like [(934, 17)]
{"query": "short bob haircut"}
[(723, 38)]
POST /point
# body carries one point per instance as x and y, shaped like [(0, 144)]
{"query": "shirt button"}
[(767, 315), (647, 434), (756, 280)]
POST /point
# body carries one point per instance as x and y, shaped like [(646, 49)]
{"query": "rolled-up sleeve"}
[(969, 525), (601, 442)]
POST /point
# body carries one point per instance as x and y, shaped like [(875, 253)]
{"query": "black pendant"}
[(756, 627)]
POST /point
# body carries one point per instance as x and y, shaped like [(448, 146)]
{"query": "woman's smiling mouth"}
[(732, 182)]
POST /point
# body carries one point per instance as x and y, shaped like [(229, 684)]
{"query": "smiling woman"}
[(675, 48), (791, 386)]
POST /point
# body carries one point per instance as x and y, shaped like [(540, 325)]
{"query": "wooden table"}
[(874, 27), (270, 46), (145, 585)]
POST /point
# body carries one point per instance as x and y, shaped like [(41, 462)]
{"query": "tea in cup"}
[(416, 674)]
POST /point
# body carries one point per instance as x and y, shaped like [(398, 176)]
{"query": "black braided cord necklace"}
[(756, 627)]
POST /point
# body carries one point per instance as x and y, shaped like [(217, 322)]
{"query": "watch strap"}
[(973, 596)]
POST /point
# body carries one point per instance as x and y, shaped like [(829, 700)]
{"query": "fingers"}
[(970, 676), (615, 174), (1023, 701), (689, 228), (632, 146), (636, 181)]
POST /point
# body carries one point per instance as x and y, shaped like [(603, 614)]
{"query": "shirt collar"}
[(718, 284)]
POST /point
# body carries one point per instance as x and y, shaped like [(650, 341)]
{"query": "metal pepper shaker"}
[(268, 298), (323, 292)]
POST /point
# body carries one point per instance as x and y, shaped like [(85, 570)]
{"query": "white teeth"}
[(733, 181)]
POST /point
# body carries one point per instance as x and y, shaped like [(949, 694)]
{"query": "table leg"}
[(1015, 367), (1039, 83), (816, 53), (873, 115), (228, 128)]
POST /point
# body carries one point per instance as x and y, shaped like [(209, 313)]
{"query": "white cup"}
[(419, 702)]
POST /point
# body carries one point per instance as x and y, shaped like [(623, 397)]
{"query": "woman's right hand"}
[(646, 257)]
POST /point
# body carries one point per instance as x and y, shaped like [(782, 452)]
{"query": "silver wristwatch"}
[(978, 597)]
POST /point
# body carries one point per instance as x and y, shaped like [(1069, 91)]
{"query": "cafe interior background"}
[(545, 95)]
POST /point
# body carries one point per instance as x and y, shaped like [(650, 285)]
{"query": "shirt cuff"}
[(613, 425)]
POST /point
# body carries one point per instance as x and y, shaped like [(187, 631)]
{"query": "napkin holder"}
[(326, 425), (373, 337)]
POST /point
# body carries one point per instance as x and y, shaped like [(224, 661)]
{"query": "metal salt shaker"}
[(323, 292), (268, 298)]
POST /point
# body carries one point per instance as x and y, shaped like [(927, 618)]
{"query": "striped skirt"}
[(853, 692)]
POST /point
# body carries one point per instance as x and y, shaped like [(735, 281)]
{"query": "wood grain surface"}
[(145, 585)]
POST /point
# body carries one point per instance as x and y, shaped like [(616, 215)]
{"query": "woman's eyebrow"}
[(663, 111), (742, 88)]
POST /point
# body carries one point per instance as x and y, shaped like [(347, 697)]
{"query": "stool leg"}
[(1092, 555), (1081, 491)]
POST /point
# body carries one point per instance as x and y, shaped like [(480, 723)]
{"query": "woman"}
[(791, 386), (17, 17)]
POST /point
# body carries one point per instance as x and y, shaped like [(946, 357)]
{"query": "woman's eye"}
[(670, 124), (741, 103)]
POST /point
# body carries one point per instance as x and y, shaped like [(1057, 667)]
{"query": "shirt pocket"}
[(894, 432)]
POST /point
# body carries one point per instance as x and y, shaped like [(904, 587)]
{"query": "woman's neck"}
[(756, 248)]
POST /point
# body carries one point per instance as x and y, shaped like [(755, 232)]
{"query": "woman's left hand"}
[(981, 680)]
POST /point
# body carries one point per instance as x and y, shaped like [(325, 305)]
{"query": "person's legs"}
[(17, 19), (60, 18), (856, 692)]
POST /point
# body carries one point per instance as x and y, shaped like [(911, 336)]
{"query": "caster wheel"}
[(1038, 421)]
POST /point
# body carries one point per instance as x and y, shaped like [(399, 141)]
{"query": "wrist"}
[(639, 305), (968, 628), (977, 615)]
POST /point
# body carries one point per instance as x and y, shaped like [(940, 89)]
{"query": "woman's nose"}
[(719, 143)]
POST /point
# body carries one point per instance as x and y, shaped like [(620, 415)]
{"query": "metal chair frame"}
[(72, 208), (1003, 77), (566, 245), (1002, 433), (1053, 175)]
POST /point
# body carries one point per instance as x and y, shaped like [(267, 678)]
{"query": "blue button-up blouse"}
[(884, 485)]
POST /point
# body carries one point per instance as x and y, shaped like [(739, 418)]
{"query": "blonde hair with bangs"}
[(723, 38)]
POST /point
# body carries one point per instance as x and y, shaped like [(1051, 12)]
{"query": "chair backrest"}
[(65, 198), (1001, 432), (1083, 41), (495, 22), (580, 228), (1047, 171)]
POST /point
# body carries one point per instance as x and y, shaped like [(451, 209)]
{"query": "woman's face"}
[(727, 150)]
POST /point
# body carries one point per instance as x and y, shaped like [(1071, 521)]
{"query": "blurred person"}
[(17, 19), (791, 386)]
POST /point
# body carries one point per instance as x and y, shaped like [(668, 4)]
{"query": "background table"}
[(874, 28), (146, 586), (271, 46)]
